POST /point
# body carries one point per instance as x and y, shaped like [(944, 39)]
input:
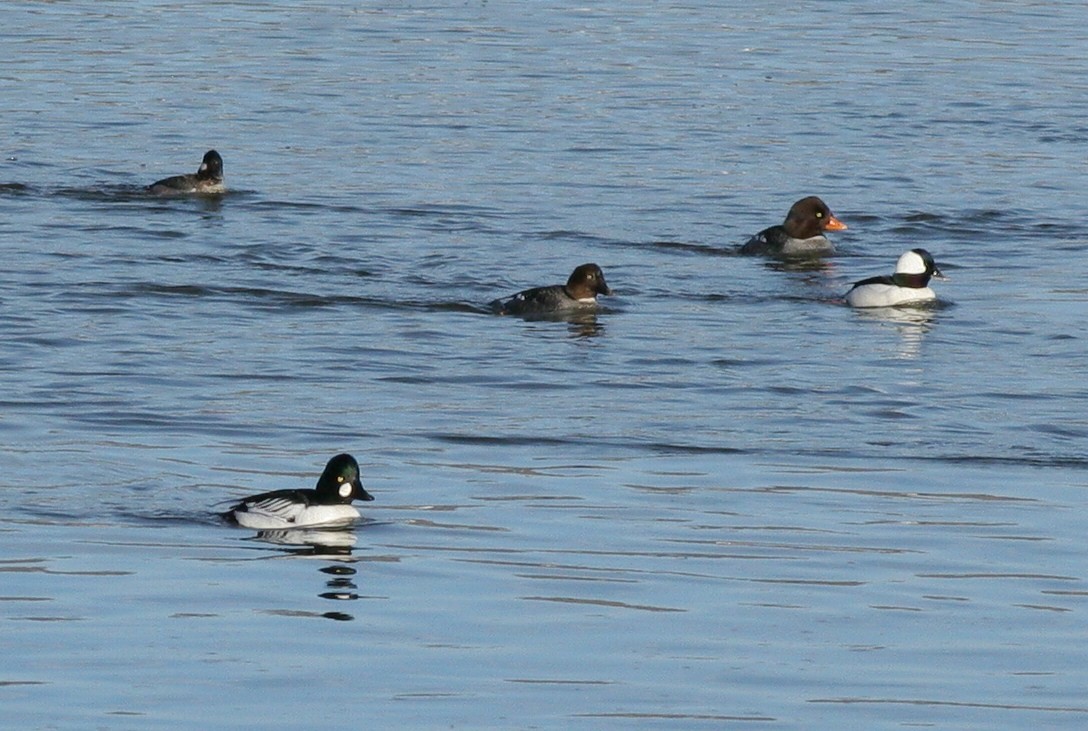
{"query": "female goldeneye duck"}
[(909, 284), (579, 293), (327, 504), (207, 179), (801, 234)]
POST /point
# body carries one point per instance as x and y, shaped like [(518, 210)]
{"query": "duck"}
[(801, 234), (329, 503), (908, 286), (208, 179), (578, 294)]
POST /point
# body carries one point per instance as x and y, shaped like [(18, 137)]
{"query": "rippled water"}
[(725, 501)]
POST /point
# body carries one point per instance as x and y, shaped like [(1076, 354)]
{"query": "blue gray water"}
[(725, 501)]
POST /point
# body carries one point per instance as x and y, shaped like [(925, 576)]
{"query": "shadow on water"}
[(310, 542), (802, 264), (921, 314), (123, 194), (334, 546), (136, 194), (14, 189), (581, 323), (912, 322)]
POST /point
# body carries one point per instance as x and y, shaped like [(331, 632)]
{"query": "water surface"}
[(724, 501)]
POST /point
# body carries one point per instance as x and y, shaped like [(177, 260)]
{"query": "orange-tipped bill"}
[(834, 224)]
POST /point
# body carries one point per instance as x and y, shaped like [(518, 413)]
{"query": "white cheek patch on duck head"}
[(345, 489)]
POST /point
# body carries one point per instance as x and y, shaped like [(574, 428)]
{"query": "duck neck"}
[(914, 281)]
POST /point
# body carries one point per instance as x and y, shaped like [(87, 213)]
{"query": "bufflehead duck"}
[(327, 504), (909, 284), (579, 293), (801, 234), (207, 179)]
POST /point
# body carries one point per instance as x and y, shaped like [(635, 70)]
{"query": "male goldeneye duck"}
[(207, 179), (801, 234), (327, 504), (579, 293), (909, 284)]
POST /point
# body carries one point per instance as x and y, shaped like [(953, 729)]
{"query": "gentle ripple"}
[(726, 500)]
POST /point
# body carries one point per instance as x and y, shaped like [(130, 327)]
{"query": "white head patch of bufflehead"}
[(579, 293), (908, 285), (329, 503), (801, 234), (208, 179)]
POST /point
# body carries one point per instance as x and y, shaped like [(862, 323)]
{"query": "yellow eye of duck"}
[(819, 214), (340, 478)]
